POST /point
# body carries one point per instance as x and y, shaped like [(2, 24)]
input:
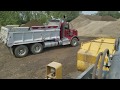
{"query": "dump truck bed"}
[(23, 35)]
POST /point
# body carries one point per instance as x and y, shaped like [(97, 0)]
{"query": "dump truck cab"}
[(71, 35), (66, 31)]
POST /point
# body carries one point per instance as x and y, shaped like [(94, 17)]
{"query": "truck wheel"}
[(21, 51), (36, 48), (74, 42)]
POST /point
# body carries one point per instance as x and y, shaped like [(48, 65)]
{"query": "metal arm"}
[(106, 52), (96, 63)]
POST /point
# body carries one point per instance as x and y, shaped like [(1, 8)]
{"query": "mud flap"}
[(11, 50)]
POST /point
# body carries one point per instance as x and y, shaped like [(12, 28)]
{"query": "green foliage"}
[(114, 14), (22, 17), (9, 17)]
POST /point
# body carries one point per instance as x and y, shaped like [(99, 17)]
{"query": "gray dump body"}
[(24, 35)]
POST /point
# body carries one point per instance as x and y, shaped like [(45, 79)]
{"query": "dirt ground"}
[(34, 66)]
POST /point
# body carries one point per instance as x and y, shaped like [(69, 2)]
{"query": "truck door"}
[(65, 30)]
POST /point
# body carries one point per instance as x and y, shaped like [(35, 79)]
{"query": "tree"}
[(22, 17), (70, 15), (114, 14), (9, 17)]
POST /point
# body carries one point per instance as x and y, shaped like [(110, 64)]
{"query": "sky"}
[(89, 12)]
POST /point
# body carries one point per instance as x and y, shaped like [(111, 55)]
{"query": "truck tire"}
[(21, 51), (36, 48), (74, 42)]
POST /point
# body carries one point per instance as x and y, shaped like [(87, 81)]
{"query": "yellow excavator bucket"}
[(88, 51)]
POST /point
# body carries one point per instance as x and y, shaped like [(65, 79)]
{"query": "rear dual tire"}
[(36, 48), (22, 50)]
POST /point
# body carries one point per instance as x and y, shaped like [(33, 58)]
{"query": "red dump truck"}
[(21, 40)]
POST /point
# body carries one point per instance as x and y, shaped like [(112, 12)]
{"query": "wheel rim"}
[(74, 42), (37, 49), (22, 52)]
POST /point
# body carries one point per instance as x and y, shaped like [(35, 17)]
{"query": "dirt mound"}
[(79, 22), (32, 23), (100, 18), (112, 30), (83, 20), (107, 18), (101, 29), (95, 17), (92, 28), (96, 26), (79, 19)]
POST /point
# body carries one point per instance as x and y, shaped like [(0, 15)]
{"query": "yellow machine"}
[(54, 70), (92, 58), (88, 52)]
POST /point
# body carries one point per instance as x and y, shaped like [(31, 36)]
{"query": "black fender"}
[(11, 50), (75, 37)]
